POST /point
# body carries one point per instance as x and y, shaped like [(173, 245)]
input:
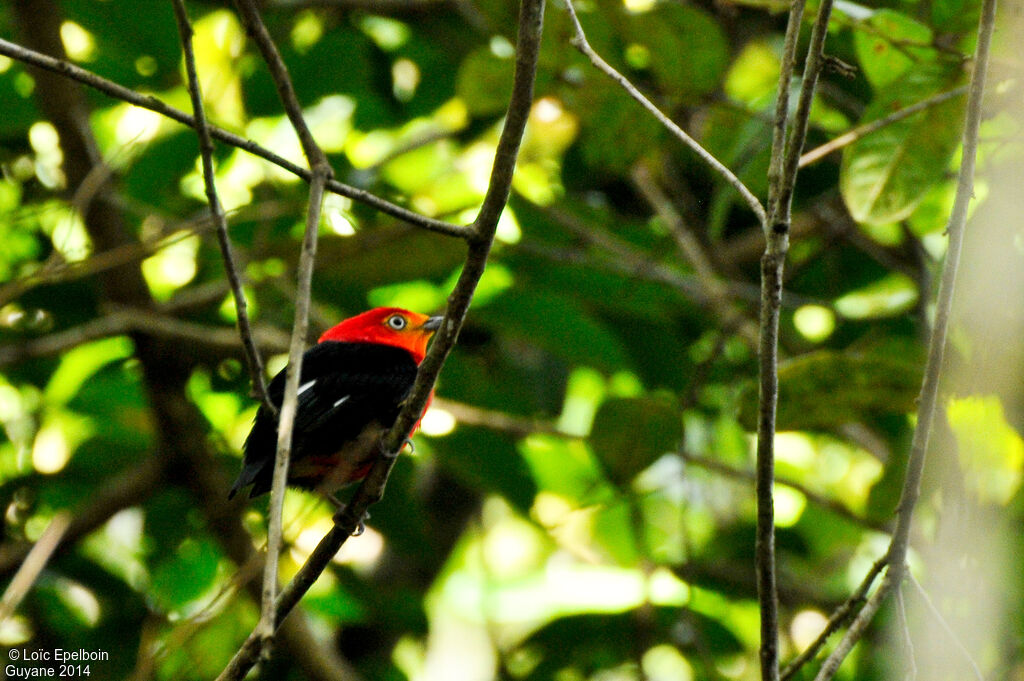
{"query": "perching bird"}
[(353, 384)]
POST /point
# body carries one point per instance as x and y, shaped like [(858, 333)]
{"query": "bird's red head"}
[(388, 326)]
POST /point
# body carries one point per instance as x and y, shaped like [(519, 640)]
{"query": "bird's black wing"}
[(343, 388)]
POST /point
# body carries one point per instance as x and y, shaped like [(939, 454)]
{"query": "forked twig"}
[(252, 353)]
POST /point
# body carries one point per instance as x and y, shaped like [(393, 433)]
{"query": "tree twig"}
[(321, 173), (928, 401), (252, 353), (781, 118), (782, 173), (579, 41), (716, 290), (840, 615), (257, 30), (372, 488), (944, 625), (126, 489), (862, 131), (127, 320), (34, 563), (151, 103)]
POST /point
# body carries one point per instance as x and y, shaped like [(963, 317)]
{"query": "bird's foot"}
[(340, 512), (394, 455)]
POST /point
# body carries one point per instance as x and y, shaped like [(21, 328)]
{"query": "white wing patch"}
[(306, 386), (338, 403)]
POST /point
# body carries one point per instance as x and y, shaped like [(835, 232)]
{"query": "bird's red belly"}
[(350, 463)]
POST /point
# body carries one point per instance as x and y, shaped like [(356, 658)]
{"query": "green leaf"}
[(615, 130), (890, 43), (484, 82), (991, 451), (557, 324), (185, 575), (885, 175), (822, 390), (629, 434), (485, 460), (672, 30)]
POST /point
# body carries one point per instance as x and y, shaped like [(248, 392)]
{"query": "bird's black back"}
[(373, 379)]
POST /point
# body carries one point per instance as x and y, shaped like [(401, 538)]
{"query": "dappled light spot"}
[(814, 322), (805, 627), (78, 42), (437, 422)]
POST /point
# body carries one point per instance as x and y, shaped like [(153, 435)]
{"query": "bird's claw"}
[(394, 455), (339, 518)]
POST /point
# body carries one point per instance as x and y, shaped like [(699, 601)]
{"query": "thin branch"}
[(782, 179), (257, 30), (944, 625), (716, 290), (372, 488), (252, 353), (839, 616), (796, 15), (322, 172), (290, 403), (127, 320), (35, 562), (802, 115), (579, 41), (60, 271), (122, 491), (928, 400), (862, 131), (908, 641), (151, 103)]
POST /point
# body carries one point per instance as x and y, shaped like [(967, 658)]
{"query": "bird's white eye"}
[(397, 322)]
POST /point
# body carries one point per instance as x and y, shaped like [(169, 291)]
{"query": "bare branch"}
[(125, 320), (782, 179), (252, 353), (322, 172), (122, 491), (372, 488), (34, 563), (862, 131), (257, 30), (579, 41), (796, 16), (802, 116), (944, 625), (151, 103), (716, 290), (928, 400), (290, 402), (839, 616)]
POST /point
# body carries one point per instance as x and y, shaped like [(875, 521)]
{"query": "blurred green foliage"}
[(559, 519)]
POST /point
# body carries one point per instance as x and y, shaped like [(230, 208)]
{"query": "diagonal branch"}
[(802, 115), (252, 353), (862, 131), (68, 70), (839, 616), (896, 556), (34, 563), (322, 172), (579, 41), (257, 30), (372, 488)]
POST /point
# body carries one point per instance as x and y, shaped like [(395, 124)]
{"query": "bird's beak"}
[(433, 323)]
